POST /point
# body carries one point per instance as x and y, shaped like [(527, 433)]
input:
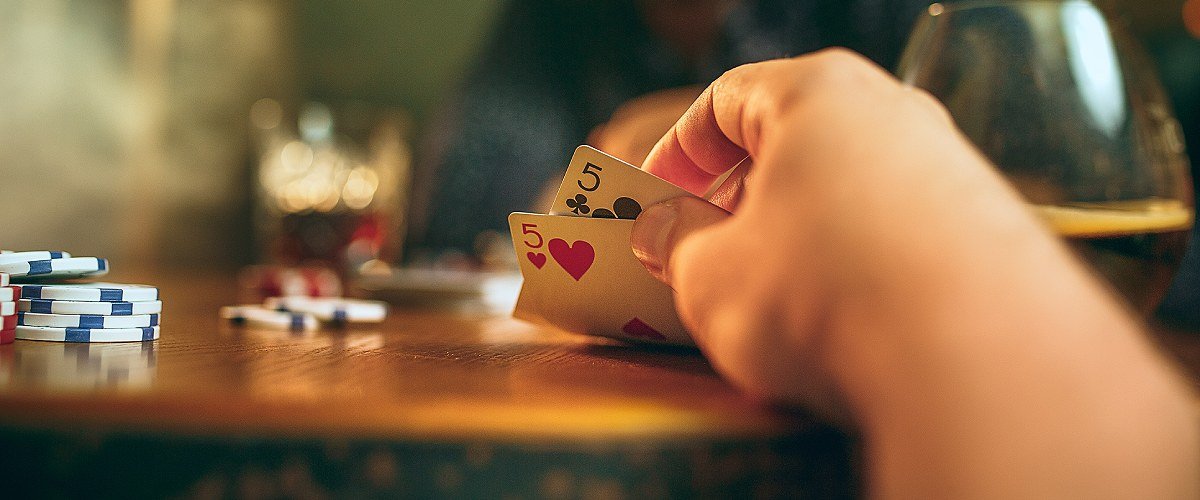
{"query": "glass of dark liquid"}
[(331, 188), (1065, 104)]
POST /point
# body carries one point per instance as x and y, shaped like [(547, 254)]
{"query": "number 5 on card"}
[(601, 186), (581, 276)]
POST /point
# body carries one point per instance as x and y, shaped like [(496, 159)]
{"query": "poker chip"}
[(64, 268), (8, 308), (11, 257), (261, 316), (8, 322), (86, 334), (91, 292), (4, 279), (9, 293), (332, 309), (8, 336), (46, 306), (86, 320)]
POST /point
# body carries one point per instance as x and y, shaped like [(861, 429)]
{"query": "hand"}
[(877, 264)]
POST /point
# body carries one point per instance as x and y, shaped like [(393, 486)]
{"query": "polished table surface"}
[(456, 402)]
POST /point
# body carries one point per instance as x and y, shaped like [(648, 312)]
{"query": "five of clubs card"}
[(579, 268)]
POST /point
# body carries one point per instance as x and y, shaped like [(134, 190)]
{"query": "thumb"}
[(660, 228)]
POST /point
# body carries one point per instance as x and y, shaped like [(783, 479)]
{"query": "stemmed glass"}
[(1063, 102)]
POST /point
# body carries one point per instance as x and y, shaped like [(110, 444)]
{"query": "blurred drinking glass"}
[(1068, 108), (331, 190)]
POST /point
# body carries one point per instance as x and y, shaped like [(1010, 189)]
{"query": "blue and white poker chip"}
[(86, 320), (45, 306), (11, 257), (256, 315), (87, 334), (338, 310), (91, 292), (64, 268)]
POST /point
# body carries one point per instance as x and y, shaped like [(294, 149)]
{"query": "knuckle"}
[(931, 103), (840, 66)]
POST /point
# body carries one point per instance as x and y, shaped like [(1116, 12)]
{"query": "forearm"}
[(1008, 371)]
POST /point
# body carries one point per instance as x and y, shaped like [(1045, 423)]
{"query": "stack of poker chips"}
[(306, 313), (50, 308), (8, 309)]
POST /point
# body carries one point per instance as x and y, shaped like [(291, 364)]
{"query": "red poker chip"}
[(10, 293), (8, 322), (8, 336)]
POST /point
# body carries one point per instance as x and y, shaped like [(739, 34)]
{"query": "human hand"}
[(876, 264), (848, 166)]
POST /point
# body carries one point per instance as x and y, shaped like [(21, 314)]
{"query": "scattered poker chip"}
[(11, 257), (9, 293), (87, 334), (65, 268), (332, 309), (8, 308), (91, 292), (45, 306), (256, 315), (86, 320), (8, 336), (8, 322)]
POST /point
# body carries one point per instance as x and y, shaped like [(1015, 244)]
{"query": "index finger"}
[(695, 151), (726, 124)]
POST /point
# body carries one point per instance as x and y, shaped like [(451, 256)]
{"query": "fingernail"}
[(651, 236)]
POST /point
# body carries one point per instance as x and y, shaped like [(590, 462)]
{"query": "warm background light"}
[(1191, 17)]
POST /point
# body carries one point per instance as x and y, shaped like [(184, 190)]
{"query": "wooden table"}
[(430, 403)]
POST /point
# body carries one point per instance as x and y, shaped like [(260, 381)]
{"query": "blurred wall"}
[(123, 124), (121, 130), (406, 53)]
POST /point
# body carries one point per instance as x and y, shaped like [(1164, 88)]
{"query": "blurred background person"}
[(554, 72)]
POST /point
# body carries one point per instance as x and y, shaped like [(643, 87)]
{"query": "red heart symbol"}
[(638, 328), (538, 259), (575, 258)]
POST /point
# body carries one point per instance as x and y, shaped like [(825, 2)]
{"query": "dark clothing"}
[(554, 69)]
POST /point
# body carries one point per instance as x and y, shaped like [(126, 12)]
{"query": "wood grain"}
[(422, 374)]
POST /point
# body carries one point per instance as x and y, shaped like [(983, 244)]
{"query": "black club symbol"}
[(578, 204)]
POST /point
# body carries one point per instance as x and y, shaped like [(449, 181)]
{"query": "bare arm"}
[(877, 264)]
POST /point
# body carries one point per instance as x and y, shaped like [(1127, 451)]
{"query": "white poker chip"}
[(70, 267), (87, 334), (44, 306), (86, 320), (257, 315), (11, 257), (91, 292), (332, 309), (8, 308)]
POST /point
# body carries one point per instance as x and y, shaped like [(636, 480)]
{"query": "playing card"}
[(581, 276), (601, 186)]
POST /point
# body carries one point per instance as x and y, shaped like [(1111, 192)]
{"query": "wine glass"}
[(1063, 102)]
